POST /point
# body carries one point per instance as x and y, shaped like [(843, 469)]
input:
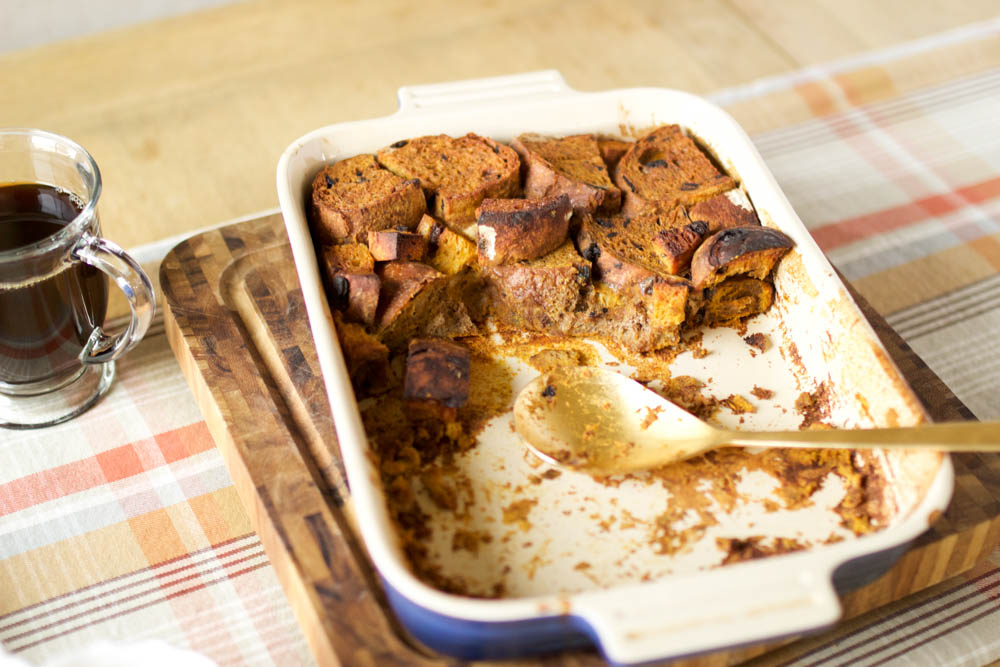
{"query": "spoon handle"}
[(948, 436)]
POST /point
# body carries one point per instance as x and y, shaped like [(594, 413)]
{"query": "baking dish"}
[(820, 338)]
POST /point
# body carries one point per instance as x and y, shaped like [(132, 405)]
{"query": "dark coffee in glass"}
[(56, 359), (47, 321)]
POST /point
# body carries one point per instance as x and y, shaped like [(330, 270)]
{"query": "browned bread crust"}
[(739, 250), (355, 195), (666, 168), (458, 172), (569, 166), (389, 245), (417, 300), (437, 376), (541, 294), (511, 230), (622, 247), (723, 211)]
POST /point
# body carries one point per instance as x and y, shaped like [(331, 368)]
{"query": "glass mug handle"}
[(133, 281)]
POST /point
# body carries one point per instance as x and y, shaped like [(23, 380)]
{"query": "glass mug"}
[(55, 359)]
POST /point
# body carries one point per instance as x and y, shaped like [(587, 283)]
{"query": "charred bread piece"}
[(389, 245), (457, 173), (739, 250), (666, 168), (511, 230), (642, 317), (541, 294), (437, 377), (735, 299), (612, 150), (448, 251), (569, 166), (354, 196), (623, 247), (352, 287), (723, 211), (417, 300), (366, 358)]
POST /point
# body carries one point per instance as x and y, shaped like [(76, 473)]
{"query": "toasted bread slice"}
[(569, 166), (354, 196), (511, 230), (664, 169), (457, 173)]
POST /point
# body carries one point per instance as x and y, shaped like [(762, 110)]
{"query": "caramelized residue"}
[(814, 406), (758, 546), (417, 458), (757, 340), (738, 405)]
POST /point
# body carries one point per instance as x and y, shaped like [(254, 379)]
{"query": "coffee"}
[(46, 321)]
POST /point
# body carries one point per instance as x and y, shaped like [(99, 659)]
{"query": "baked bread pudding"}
[(537, 237), (444, 255)]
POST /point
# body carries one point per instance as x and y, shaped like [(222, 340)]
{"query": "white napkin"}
[(145, 652)]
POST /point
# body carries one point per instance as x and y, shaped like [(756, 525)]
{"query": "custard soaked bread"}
[(658, 242), (418, 300), (683, 247), (543, 294), (456, 173)]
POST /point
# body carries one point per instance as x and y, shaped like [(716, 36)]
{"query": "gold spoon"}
[(601, 421)]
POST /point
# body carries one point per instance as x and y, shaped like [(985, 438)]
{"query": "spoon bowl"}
[(600, 421)]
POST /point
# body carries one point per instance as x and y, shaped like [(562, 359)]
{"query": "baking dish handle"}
[(738, 605), (479, 92)]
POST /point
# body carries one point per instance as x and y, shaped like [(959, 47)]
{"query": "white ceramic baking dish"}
[(819, 335)]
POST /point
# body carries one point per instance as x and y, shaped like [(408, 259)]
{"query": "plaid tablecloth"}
[(124, 523)]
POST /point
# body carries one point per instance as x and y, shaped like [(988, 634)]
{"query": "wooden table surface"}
[(187, 116)]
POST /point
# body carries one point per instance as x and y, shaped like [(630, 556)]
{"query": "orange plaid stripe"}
[(108, 466)]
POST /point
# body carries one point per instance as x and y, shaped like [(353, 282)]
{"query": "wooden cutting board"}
[(237, 323)]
